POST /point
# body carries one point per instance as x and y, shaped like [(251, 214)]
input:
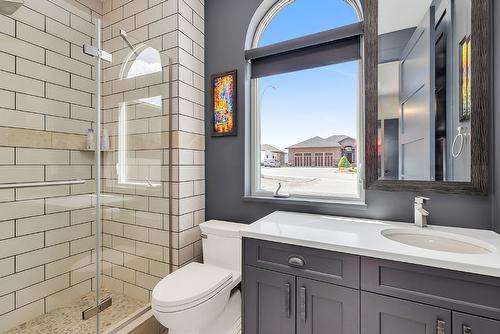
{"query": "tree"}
[(344, 163)]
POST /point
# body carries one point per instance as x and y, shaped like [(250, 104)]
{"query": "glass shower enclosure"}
[(84, 168)]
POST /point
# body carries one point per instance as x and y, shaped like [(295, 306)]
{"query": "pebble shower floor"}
[(68, 319)]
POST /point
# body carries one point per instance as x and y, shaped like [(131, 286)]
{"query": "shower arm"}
[(124, 35)]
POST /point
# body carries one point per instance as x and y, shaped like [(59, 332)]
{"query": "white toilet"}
[(198, 298)]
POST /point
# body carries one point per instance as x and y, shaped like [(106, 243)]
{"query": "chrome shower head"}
[(8, 7)]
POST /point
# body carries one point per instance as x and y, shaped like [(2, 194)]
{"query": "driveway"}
[(310, 181)]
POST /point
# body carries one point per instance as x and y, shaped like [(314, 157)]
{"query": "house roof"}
[(267, 147), (332, 141)]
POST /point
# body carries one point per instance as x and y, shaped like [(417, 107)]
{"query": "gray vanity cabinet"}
[(296, 290), (269, 306), (290, 289), (387, 315), (469, 324), (277, 303), (324, 308)]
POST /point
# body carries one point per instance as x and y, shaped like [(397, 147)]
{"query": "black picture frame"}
[(234, 101)]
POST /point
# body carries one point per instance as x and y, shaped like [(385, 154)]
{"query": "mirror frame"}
[(481, 104)]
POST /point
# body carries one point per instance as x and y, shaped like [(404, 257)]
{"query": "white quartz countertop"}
[(363, 237)]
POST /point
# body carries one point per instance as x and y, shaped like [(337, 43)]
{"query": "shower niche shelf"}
[(102, 151)]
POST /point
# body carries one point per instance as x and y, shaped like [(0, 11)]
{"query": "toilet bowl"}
[(203, 298)]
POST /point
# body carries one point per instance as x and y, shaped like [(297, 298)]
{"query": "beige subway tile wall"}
[(150, 97), (156, 163), (46, 82)]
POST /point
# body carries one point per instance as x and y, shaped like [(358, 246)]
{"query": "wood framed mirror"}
[(427, 95)]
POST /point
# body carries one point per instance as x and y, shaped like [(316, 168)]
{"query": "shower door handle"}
[(39, 184)]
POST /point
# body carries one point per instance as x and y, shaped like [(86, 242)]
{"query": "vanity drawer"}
[(337, 268), (464, 292)]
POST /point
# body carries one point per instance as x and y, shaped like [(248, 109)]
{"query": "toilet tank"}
[(222, 244)]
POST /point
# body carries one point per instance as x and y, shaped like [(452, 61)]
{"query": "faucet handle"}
[(421, 199), (423, 212)]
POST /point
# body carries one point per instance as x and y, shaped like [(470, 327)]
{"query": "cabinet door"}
[(324, 308), (469, 324), (386, 315), (268, 302)]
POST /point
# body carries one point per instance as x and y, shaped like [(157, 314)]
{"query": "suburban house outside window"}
[(305, 72)]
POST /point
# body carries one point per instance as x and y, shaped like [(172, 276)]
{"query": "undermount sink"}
[(438, 241)]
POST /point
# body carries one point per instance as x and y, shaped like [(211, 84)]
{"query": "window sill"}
[(361, 205)]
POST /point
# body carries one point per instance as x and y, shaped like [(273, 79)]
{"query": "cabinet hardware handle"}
[(303, 304), (466, 329), (296, 261), (287, 300), (441, 327)]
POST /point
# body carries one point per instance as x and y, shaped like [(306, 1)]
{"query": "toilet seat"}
[(189, 287)]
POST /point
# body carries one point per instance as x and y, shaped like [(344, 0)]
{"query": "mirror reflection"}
[(424, 88)]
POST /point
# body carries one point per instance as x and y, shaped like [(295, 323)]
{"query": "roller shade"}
[(325, 48)]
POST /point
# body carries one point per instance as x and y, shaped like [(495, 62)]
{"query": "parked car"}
[(271, 163)]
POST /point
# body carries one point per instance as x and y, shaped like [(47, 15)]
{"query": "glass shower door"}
[(48, 167), (135, 169), (85, 133)]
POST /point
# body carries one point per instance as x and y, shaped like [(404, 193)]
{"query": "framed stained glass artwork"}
[(465, 79), (224, 104)]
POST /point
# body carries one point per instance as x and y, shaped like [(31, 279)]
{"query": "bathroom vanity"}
[(309, 274)]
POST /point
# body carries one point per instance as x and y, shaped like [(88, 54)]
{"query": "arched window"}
[(148, 61), (327, 14), (305, 74)]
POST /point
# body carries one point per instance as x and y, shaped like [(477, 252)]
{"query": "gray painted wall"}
[(224, 50), (496, 123)]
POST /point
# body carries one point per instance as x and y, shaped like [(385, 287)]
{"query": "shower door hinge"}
[(92, 311), (95, 52)]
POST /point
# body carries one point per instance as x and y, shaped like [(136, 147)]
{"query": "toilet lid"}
[(190, 284)]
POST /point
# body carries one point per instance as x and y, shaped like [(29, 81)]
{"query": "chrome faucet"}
[(277, 193), (420, 213)]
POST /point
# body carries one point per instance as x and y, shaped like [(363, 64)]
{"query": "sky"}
[(315, 102)]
